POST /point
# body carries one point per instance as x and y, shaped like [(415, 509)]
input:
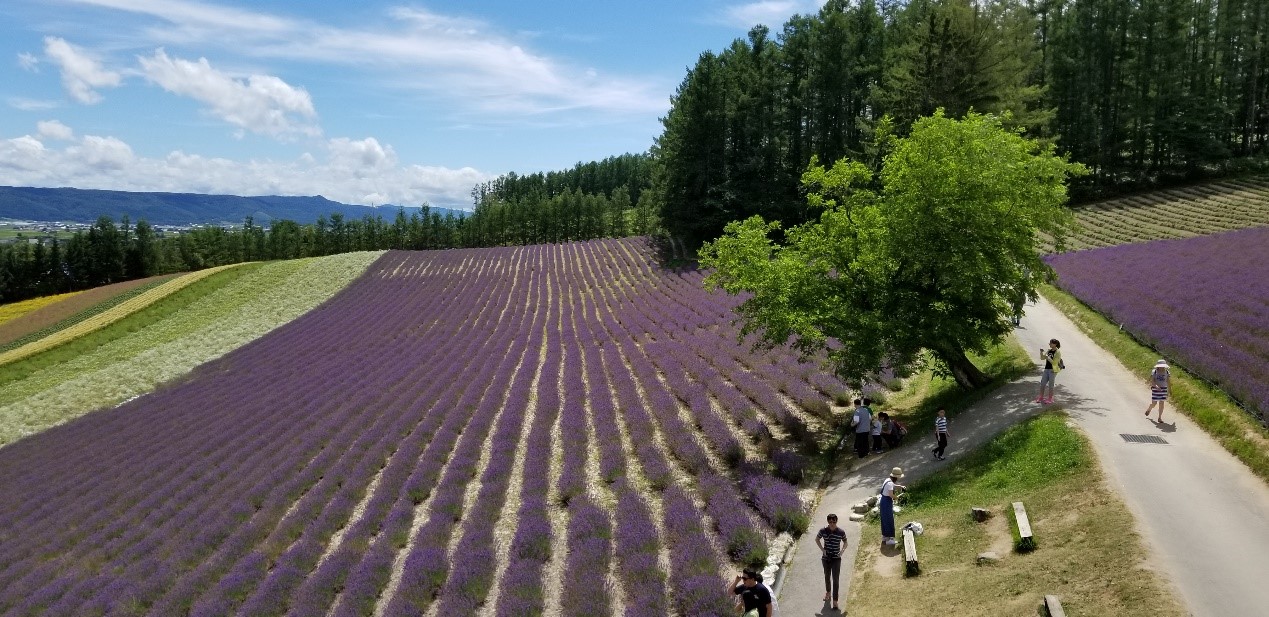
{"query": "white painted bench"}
[(1053, 606), (1026, 541), (910, 553)]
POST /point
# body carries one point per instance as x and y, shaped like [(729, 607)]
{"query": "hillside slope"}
[(560, 428), (1183, 212)]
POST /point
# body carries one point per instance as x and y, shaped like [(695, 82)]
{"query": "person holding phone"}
[(1052, 359)]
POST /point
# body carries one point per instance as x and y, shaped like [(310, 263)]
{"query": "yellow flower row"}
[(110, 316), (17, 309)]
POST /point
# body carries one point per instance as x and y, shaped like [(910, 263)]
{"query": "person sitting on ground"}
[(892, 431)]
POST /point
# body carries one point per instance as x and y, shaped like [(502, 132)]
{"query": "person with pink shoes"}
[(1052, 359)]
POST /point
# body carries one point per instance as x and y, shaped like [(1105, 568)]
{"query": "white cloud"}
[(438, 55), (102, 153), (362, 171), (771, 13), (25, 104), (21, 154), (81, 72), (258, 103), (29, 62), (52, 129)]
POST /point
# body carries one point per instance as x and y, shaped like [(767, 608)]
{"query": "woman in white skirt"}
[(1160, 383)]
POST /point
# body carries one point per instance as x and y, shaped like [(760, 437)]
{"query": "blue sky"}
[(363, 102)]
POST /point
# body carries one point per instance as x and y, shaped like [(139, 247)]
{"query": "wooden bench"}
[(1053, 606), (910, 553), (1026, 542)]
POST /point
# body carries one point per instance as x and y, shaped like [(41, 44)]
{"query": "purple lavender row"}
[(385, 511), (234, 585), (573, 425), (318, 591), (638, 421), (586, 588), (112, 513), (638, 548), (696, 397), (426, 565), (521, 593), (368, 578), (1220, 332), (694, 566), (759, 391), (782, 508), (612, 457), (472, 568), (208, 532)]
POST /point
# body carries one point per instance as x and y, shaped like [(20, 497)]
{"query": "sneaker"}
[(890, 542), (943, 458), (1039, 399), (1048, 401)]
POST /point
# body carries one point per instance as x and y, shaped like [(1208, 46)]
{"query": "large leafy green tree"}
[(934, 260)]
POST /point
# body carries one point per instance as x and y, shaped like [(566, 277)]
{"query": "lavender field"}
[(559, 429), (1202, 302)]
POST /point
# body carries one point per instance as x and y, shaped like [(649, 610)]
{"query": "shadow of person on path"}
[(891, 551), (829, 610), (1164, 427)]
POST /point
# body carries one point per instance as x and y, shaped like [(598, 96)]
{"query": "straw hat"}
[(896, 473), (1161, 363)]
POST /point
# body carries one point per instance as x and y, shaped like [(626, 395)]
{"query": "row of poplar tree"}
[(1143, 92)]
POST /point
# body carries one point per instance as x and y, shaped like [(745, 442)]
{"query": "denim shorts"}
[(1047, 378)]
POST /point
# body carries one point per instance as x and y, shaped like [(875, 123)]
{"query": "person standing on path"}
[(886, 505), (1052, 358), (1160, 383), (940, 434), (831, 540), (862, 421)]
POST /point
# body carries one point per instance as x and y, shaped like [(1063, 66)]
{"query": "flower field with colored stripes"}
[(1203, 302), (136, 362), (557, 429), (111, 315)]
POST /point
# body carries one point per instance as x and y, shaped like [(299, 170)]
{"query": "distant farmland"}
[(1174, 213), (562, 428)]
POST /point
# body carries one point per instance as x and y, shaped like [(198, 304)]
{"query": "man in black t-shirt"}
[(753, 595)]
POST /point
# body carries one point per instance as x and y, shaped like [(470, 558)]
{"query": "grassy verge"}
[(923, 394), (1208, 406), (1050, 467)]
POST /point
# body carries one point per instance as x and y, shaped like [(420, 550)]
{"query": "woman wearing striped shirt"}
[(940, 434)]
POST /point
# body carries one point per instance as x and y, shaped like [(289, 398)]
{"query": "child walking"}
[(940, 434), (1160, 382)]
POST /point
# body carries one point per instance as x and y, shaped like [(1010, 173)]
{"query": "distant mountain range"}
[(86, 206)]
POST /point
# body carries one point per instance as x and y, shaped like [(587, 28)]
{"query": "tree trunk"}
[(967, 375)]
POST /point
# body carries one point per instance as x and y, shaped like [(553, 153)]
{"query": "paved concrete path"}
[(1204, 517)]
